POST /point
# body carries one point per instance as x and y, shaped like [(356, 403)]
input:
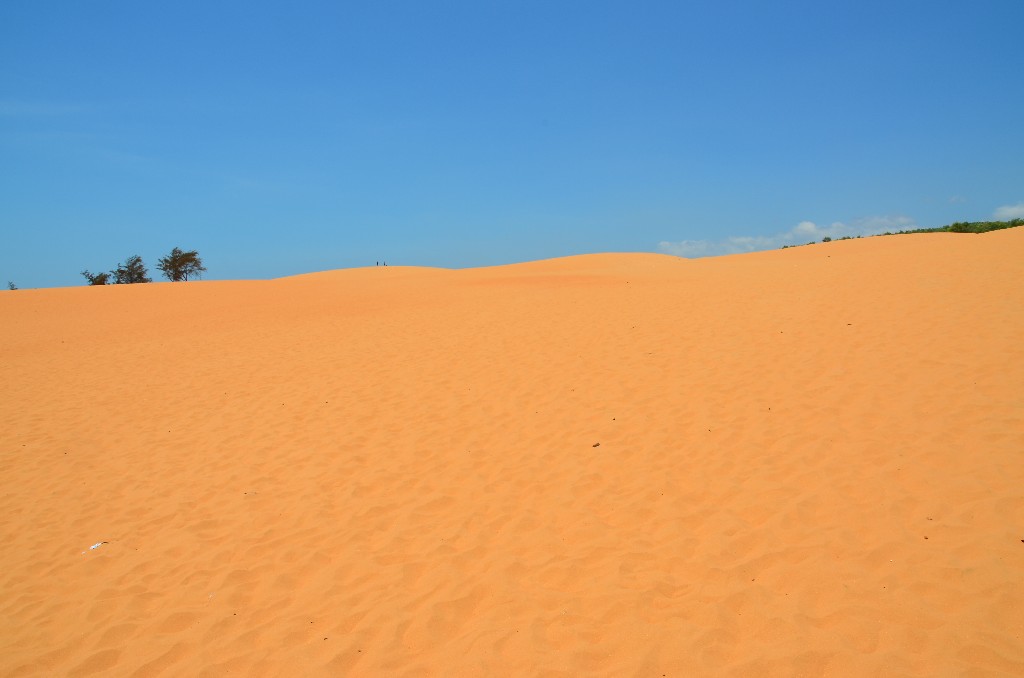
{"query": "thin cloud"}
[(16, 108), (802, 233), (1007, 212)]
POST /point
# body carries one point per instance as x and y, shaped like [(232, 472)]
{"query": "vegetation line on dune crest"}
[(956, 227)]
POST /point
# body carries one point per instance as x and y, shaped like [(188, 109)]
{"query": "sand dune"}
[(806, 462)]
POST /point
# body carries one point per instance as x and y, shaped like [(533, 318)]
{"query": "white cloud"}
[(687, 248), (802, 233), (1007, 212), (807, 227)]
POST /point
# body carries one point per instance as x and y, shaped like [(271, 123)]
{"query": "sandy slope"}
[(800, 462)]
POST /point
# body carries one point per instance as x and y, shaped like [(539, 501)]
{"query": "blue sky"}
[(280, 138)]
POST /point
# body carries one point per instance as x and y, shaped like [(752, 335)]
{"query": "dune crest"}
[(799, 462)]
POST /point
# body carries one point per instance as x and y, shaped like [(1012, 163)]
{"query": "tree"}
[(179, 265), (97, 278), (11, 286), (131, 271)]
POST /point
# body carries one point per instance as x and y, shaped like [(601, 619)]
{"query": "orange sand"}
[(810, 462)]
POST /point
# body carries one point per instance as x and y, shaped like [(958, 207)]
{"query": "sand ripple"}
[(804, 462)]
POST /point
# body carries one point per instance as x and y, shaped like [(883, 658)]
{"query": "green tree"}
[(131, 271), (180, 265), (96, 278)]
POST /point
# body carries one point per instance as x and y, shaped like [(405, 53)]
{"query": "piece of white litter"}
[(97, 545)]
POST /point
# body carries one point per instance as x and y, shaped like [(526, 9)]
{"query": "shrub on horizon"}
[(97, 278), (131, 271), (179, 265)]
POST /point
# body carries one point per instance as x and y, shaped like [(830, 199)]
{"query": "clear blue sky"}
[(285, 137)]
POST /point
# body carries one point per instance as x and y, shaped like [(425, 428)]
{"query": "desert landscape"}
[(801, 462)]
